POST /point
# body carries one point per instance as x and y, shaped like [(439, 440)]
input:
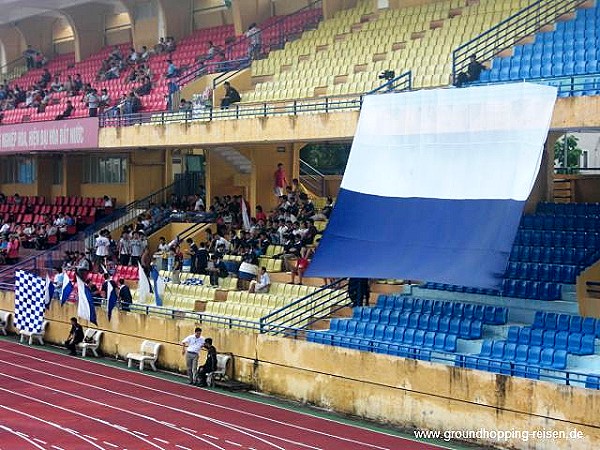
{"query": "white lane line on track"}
[(52, 424), (104, 422), (211, 437), (189, 429), (90, 437), (40, 441), (227, 408), (56, 447), (182, 447), (140, 433), (239, 429), (234, 443), (105, 405), (110, 444), (16, 433), (161, 440)]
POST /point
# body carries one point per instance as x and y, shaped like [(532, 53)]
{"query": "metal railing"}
[(402, 82), (506, 33), (567, 85), (241, 111), (301, 313), (273, 36), (312, 178)]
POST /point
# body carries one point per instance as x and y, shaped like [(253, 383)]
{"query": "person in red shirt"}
[(280, 180), (12, 251)]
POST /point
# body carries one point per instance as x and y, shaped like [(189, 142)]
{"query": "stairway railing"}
[(313, 179), (508, 32), (307, 310)]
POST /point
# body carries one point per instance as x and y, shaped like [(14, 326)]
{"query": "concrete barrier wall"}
[(391, 390)]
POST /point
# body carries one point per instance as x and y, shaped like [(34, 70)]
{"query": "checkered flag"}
[(30, 295)]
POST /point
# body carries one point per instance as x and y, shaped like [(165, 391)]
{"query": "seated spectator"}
[(144, 55), (112, 73), (45, 78), (56, 85), (133, 57), (115, 54), (211, 362), (40, 60), (108, 203), (262, 284), (206, 98), (216, 269), (75, 337), (185, 106), (473, 72), (104, 100), (145, 88), (231, 96)]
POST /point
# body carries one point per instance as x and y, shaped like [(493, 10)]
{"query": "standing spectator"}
[(193, 252), (254, 41), (202, 258), (92, 101), (160, 46), (102, 245), (75, 337), (280, 180), (211, 362), (137, 248), (12, 249), (216, 269), (29, 55), (231, 96), (124, 295), (190, 347), (124, 249), (172, 70)]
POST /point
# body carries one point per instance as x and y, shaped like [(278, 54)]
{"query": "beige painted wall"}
[(387, 389)]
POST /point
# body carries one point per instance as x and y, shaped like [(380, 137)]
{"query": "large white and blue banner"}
[(435, 184)]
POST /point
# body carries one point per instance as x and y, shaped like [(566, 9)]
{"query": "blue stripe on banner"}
[(446, 241)]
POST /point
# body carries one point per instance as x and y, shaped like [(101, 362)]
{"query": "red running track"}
[(53, 401)]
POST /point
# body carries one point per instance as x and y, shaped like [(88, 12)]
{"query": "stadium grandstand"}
[(388, 209)]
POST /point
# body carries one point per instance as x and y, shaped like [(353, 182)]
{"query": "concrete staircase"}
[(242, 164)]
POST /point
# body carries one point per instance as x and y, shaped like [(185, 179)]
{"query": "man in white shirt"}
[(262, 285), (190, 347), (102, 247)]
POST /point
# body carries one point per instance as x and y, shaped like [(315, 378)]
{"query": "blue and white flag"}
[(143, 285), (85, 305), (435, 184), (111, 297), (29, 301), (67, 288), (49, 292), (158, 286)]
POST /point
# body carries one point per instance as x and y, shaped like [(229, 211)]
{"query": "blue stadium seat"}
[(409, 336), (521, 289), (549, 338), (576, 324), (454, 325), (534, 355), (429, 340), (444, 325), (486, 348), (375, 314), (380, 332), (563, 322), (521, 353), (532, 372), (551, 322), (423, 323), (360, 328), (560, 359), (561, 340), (382, 301), (536, 337), (513, 334), (592, 382), (476, 329), (547, 357), (437, 308), (524, 336), (413, 320), (510, 350), (384, 316), (404, 319), (388, 335), (419, 338), (369, 330), (498, 349), (539, 320), (434, 323), (394, 317), (574, 343), (588, 342), (450, 343), (588, 325)]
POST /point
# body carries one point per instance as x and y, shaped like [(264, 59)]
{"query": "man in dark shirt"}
[(211, 362), (193, 252), (67, 112), (472, 73), (202, 258), (124, 295), (75, 337), (231, 96)]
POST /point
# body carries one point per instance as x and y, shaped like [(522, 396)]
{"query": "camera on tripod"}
[(387, 75)]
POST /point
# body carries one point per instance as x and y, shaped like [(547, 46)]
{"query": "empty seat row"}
[(560, 222), (383, 339), (566, 322), (531, 289), (558, 273), (572, 342), (458, 288), (551, 255), (488, 314), (539, 238), (548, 357), (464, 328), (569, 209)]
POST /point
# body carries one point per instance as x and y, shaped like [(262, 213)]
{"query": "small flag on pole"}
[(111, 296), (159, 285), (66, 290), (143, 285), (49, 292)]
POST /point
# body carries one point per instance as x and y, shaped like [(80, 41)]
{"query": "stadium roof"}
[(15, 10)]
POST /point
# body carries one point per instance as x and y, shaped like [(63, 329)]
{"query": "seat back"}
[(150, 348)]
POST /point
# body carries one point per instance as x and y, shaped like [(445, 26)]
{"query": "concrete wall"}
[(387, 389)]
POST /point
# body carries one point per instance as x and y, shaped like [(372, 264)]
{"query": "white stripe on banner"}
[(417, 136)]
